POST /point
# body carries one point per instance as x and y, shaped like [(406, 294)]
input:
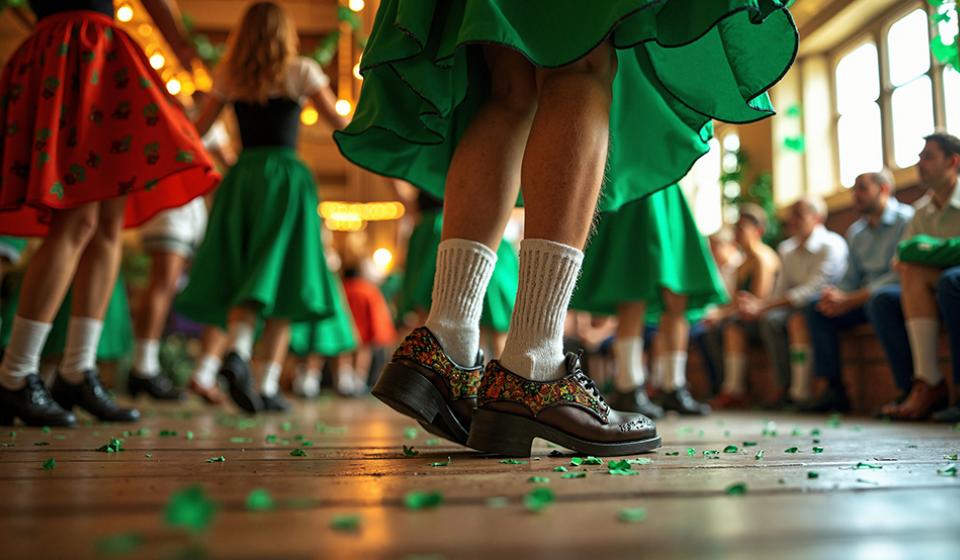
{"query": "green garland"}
[(946, 53)]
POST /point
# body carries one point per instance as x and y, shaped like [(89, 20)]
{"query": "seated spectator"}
[(873, 243), (813, 258), (757, 276), (929, 268)]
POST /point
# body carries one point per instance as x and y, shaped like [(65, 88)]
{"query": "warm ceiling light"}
[(125, 13), (174, 86), (357, 5), (157, 60), (343, 107), (309, 116), (382, 257)]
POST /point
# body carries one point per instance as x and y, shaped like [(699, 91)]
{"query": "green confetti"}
[(422, 500), (632, 515), (538, 498), (749, 443), (796, 432), (538, 480), (613, 465), (168, 433), (759, 455), (442, 463), (815, 432), (241, 440), (950, 457), (591, 460), (410, 433), (672, 453), (433, 442), (113, 447), (120, 544), (513, 462), (791, 450), (298, 453), (813, 474), (737, 489), (41, 443), (286, 426), (834, 421), (770, 429), (410, 451), (710, 452), (148, 455), (497, 502), (863, 465), (271, 438), (220, 459), (346, 523), (49, 464), (574, 475), (260, 500), (561, 468), (576, 461), (45, 429), (818, 450), (691, 452), (189, 436), (731, 449), (948, 471), (189, 508)]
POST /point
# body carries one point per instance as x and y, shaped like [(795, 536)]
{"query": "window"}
[(911, 100), (859, 137), (702, 188)]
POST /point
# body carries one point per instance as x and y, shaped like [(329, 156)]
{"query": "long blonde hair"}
[(259, 51)]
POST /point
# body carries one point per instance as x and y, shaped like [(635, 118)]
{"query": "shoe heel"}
[(408, 393), (501, 433)]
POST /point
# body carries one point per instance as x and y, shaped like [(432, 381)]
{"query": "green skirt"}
[(11, 248), (681, 63), (262, 245), (332, 336), (647, 246), (416, 292)]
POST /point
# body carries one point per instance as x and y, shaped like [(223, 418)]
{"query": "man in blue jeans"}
[(930, 290), (873, 243)]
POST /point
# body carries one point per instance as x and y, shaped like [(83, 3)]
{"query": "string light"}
[(383, 258), (309, 116), (157, 60), (174, 86), (145, 29), (124, 13), (357, 5), (343, 107)]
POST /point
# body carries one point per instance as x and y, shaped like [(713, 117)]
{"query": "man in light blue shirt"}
[(872, 241)]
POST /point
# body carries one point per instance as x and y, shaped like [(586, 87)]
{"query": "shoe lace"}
[(38, 391), (586, 381)]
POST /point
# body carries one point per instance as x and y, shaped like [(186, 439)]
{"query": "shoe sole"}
[(511, 435), (409, 393)]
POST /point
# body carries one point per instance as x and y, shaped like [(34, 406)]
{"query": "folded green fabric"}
[(930, 251)]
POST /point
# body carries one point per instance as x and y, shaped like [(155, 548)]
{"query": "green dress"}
[(332, 336), (681, 63), (262, 245), (646, 246), (416, 291)]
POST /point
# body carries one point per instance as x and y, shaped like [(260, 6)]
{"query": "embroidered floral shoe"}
[(569, 412), (422, 382)]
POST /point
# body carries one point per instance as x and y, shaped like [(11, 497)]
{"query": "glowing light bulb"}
[(382, 257), (309, 116), (157, 60), (357, 5), (343, 107), (174, 86), (125, 13)]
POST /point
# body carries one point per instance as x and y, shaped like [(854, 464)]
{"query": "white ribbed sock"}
[(924, 334), (735, 372), (80, 352), (548, 274), (206, 373), (464, 269), (628, 357), (675, 370), (307, 381), (146, 358), (270, 379), (800, 372), (240, 338), (22, 356)]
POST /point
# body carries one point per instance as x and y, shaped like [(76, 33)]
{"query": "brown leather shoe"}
[(728, 401), (921, 402), (569, 412), (211, 395), (422, 382)]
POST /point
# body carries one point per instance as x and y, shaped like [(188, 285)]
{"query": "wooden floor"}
[(93, 503)]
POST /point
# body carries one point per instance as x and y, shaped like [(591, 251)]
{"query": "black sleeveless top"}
[(274, 124), (44, 8)]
